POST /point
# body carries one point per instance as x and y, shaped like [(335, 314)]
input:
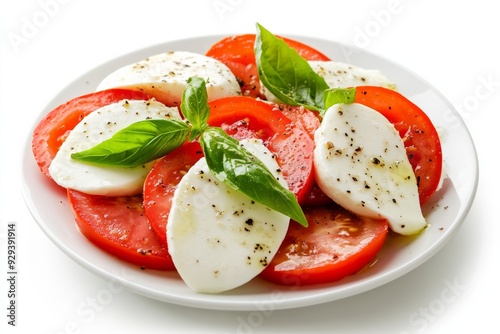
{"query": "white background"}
[(450, 44)]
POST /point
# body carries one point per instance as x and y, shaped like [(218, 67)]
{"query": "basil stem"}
[(242, 171), (137, 144), (286, 74)]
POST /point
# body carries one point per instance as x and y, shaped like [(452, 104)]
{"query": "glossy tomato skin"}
[(119, 226), (245, 117), (52, 130), (309, 120), (419, 135), (336, 244), (162, 182), (316, 197), (237, 52)]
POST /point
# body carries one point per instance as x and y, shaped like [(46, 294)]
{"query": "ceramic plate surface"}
[(444, 212)]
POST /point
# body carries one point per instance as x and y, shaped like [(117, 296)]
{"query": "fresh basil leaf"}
[(137, 144), (242, 171), (286, 74), (194, 106), (338, 95)]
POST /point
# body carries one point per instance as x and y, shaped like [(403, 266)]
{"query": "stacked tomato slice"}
[(336, 243)]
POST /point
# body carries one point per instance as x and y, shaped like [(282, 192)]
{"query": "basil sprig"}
[(242, 171), (290, 77), (194, 106), (339, 95), (147, 140), (137, 144), (286, 74)]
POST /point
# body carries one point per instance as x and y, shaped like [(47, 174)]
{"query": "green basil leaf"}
[(286, 74), (241, 170), (194, 106), (338, 95), (137, 144)]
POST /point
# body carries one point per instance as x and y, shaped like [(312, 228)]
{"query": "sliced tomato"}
[(119, 226), (308, 119), (316, 197), (237, 52), (420, 137), (336, 244), (161, 183), (245, 117), (54, 128)]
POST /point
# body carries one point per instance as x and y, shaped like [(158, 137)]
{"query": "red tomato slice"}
[(316, 197), (237, 52), (245, 117), (119, 226), (336, 244), (421, 139), (161, 183), (53, 129), (308, 119)]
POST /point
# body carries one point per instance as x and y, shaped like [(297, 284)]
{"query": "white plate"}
[(445, 212)]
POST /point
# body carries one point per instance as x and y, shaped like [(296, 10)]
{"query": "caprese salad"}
[(262, 157)]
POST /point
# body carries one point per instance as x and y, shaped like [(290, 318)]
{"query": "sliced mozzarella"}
[(361, 163), (96, 127), (218, 237), (342, 75), (165, 76)]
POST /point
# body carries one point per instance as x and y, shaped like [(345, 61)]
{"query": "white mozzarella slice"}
[(96, 127), (342, 75), (219, 238), (165, 76), (361, 163)]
